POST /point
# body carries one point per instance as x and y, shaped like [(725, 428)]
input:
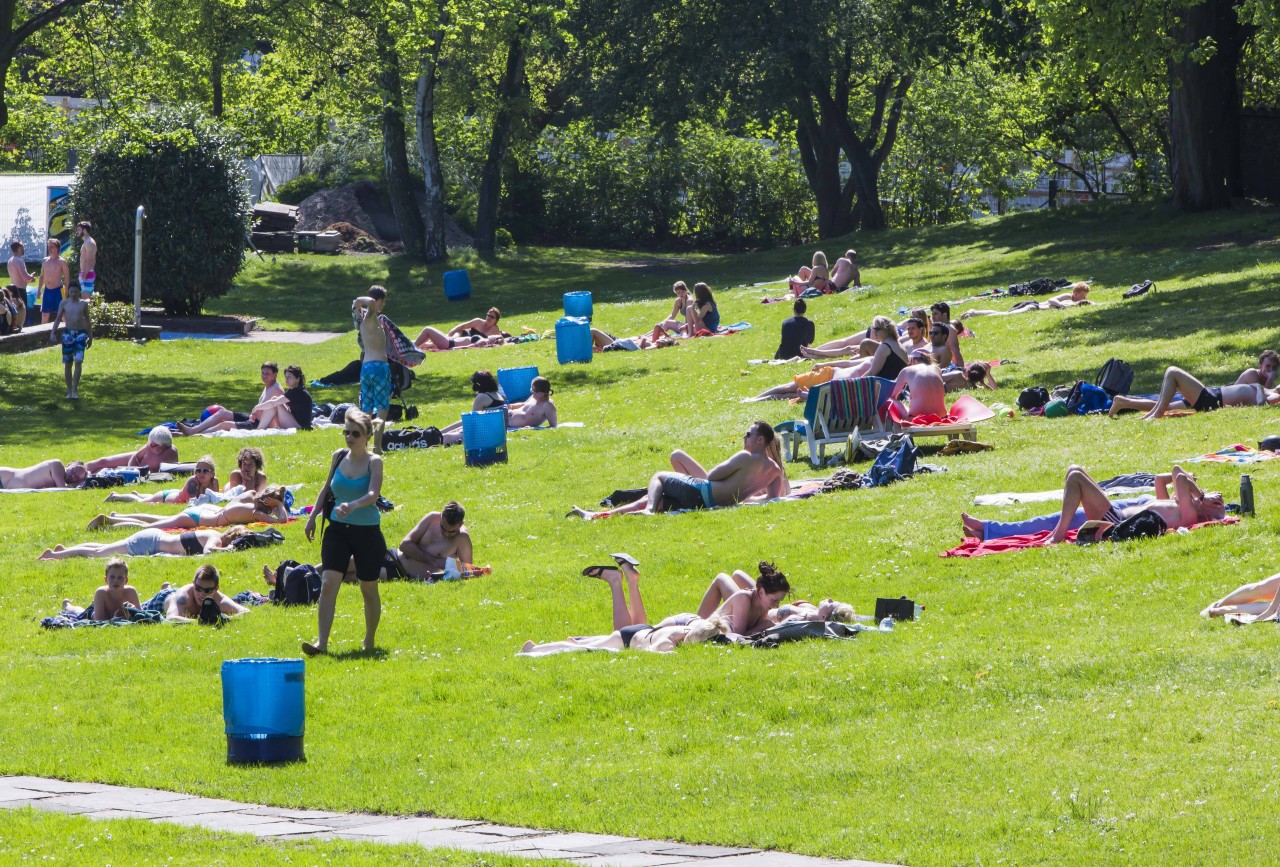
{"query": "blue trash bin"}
[(263, 709), (517, 382), (457, 285), (573, 340), (484, 437), (577, 304), (33, 309)]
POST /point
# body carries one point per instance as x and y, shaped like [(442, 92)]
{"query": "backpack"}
[(1034, 397), (339, 413), (1086, 398), (210, 613), (260, 539), (1115, 377), (1138, 289), (896, 462), (1140, 526), (296, 584)]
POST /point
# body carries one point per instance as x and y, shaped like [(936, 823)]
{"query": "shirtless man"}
[(1195, 395), (939, 348), (438, 536), (270, 372), (916, 337), (77, 336), (533, 412), (748, 472), (845, 274), (1078, 296), (924, 380), (1265, 373), (19, 276), (1189, 504), (375, 372), (941, 313), (54, 276), (88, 256), (184, 603), (46, 474), (158, 450)]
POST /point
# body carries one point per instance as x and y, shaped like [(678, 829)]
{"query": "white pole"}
[(137, 267)]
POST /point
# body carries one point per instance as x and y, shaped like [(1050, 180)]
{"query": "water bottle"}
[(886, 625), (1246, 495)]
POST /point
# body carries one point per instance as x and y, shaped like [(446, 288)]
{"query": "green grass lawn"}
[(1061, 705)]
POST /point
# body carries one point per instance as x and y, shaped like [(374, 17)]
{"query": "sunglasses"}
[(203, 470), (205, 590)]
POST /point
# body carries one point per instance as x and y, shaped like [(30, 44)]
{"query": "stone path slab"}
[(97, 801)]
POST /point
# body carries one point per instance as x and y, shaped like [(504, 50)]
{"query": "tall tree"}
[(395, 158), (19, 23)]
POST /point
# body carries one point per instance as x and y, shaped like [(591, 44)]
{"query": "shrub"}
[(110, 318), (302, 187), (185, 170), (503, 239)]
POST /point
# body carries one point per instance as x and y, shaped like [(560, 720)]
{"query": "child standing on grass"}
[(77, 336), (110, 600)]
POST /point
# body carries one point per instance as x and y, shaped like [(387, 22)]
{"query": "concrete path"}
[(307, 337), (119, 802)]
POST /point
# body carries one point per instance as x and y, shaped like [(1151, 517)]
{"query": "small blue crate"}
[(517, 382), (484, 437), (263, 709), (577, 304), (573, 340), (457, 285)]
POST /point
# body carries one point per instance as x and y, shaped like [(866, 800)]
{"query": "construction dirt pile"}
[(366, 222)]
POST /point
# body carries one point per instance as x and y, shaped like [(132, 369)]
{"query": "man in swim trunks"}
[(77, 336), (219, 416), (439, 535), (1189, 505), (46, 474), (88, 256), (375, 372), (19, 276), (1194, 395), (748, 472), (54, 277), (1265, 373)]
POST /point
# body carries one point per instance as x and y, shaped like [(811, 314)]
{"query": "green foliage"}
[(503, 239), (185, 170), (111, 319), (303, 186)]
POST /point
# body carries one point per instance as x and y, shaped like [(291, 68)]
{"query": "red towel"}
[(976, 548), (966, 410)]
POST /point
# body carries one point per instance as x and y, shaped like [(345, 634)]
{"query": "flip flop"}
[(625, 558), (595, 571)]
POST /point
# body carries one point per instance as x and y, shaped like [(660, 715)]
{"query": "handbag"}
[(326, 502)]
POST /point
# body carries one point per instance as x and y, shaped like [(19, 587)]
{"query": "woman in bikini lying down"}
[(754, 605), (203, 478), (1252, 602), (152, 541), (266, 508), (630, 629)]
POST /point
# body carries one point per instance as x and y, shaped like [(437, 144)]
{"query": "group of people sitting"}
[(288, 408), (819, 276), (117, 598)]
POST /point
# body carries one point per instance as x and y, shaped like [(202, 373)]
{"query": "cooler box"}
[(457, 285), (577, 304), (484, 437), (517, 382), (573, 340), (263, 709)]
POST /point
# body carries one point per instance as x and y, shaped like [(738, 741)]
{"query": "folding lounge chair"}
[(960, 423), (839, 408)]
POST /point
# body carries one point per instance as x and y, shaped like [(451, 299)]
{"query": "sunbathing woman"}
[(1252, 602), (250, 463), (816, 276), (630, 629), (603, 341), (1194, 395), (203, 479), (887, 361), (746, 603), (676, 321), (486, 327), (1077, 297), (152, 541), (434, 340), (266, 508)]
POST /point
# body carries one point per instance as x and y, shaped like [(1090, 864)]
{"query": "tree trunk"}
[(820, 155), (434, 247), (215, 78), (395, 159), (1204, 108), (491, 175)]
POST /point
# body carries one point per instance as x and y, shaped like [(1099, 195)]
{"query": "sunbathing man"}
[(1189, 504), (603, 341), (845, 273), (269, 371), (941, 313), (184, 603), (748, 472), (538, 409), (158, 450), (923, 380), (1195, 395), (1078, 296), (1265, 373), (977, 374), (44, 475), (438, 536)]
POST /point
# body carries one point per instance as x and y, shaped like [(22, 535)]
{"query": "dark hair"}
[(976, 373), (271, 366), (799, 307), (207, 571), (771, 580), (483, 380), (540, 383), (941, 307), (86, 225), (497, 314), (916, 322), (702, 292), (254, 454), (453, 513), (295, 371), (377, 293), (1268, 355), (15, 246), (764, 429)]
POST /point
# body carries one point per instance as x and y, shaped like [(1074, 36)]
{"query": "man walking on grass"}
[(77, 336)]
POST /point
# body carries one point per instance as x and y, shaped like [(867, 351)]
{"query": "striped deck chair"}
[(836, 409)]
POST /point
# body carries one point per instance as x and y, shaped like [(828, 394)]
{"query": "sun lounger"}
[(837, 409), (960, 421)]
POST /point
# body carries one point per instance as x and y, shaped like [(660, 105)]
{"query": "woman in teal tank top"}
[(354, 530)]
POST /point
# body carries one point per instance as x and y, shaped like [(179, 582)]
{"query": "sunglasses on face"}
[(206, 590), (203, 470)]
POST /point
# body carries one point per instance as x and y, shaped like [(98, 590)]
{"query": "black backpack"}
[(296, 584), (1115, 377), (1034, 397), (259, 539), (1143, 525), (1138, 289)]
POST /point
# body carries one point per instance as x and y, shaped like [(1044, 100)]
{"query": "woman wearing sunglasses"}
[(347, 502), (204, 478)]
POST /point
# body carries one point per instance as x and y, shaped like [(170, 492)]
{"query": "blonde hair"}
[(819, 260), (701, 630), (841, 612), (234, 533), (884, 324), (116, 561), (361, 420), (207, 459)]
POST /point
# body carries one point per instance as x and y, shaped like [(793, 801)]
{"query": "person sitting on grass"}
[(887, 361), (748, 472), (18, 301), (203, 478), (158, 450), (630, 627), (44, 475), (152, 541), (1195, 395), (603, 341), (797, 332), (1265, 373), (248, 473), (846, 273), (111, 599), (922, 380), (1249, 603), (676, 320), (270, 372), (437, 537), (702, 314), (184, 603), (1077, 297), (816, 276), (265, 508), (1187, 506), (538, 409), (940, 312)]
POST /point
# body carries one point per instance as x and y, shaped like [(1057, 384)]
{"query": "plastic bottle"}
[(1246, 495), (886, 625)]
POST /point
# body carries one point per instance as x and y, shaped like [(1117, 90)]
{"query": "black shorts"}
[(239, 417), (1209, 400), (344, 541), (684, 492), (246, 425)]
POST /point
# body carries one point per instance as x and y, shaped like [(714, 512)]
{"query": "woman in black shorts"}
[(354, 531)]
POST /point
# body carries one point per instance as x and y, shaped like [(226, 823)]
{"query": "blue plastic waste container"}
[(517, 382), (484, 437), (573, 340), (577, 304), (263, 709), (457, 285)]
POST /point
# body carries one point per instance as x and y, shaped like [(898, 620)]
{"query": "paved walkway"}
[(119, 802)]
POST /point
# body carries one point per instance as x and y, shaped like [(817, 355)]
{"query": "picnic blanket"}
[(966, 410), (250, 434), (724, 329), (1116, 486), (976, 548), (1236, 454)]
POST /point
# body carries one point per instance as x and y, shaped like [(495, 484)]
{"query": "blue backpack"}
[(895, 463), (1086, 398)]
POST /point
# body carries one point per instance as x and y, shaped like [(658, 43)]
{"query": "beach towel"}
[(853, 398), (1236, 454), (976, 548), (724, 329), (966, 410), (250, 434)]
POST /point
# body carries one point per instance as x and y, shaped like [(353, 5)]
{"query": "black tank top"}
[(893, 365)]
